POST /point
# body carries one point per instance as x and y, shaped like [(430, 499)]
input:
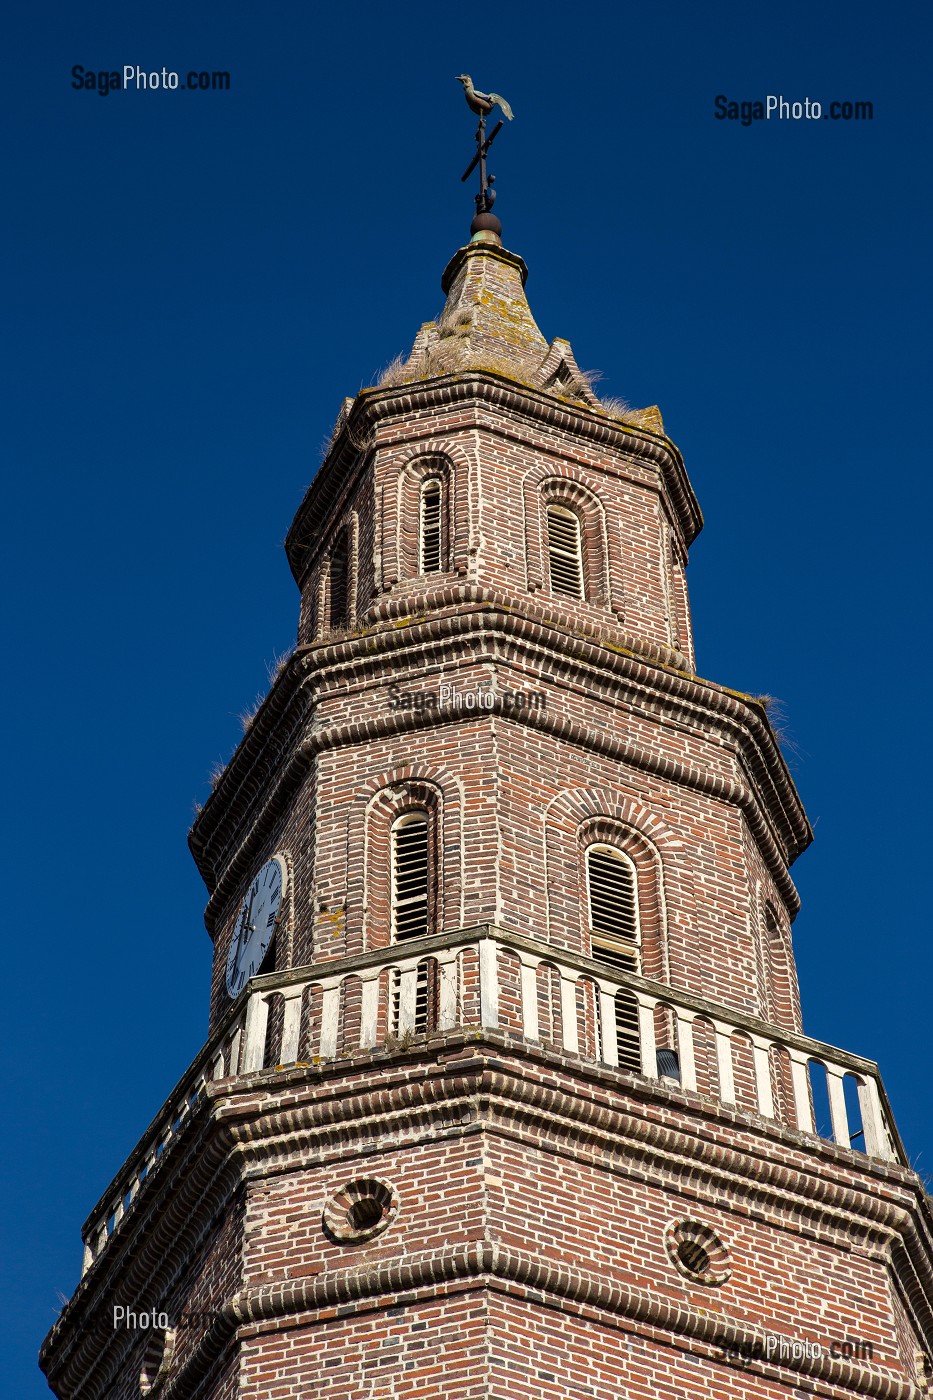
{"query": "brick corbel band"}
[(216, 1161), (498, 1100), (375, 409), (739, 713), (513, 1272)]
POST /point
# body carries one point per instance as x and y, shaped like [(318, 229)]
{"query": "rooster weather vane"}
[(482, 104)]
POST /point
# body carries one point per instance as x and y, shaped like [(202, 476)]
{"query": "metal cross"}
[(487, 195)]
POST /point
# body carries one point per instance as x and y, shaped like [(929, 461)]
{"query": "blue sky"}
[(194, 281)]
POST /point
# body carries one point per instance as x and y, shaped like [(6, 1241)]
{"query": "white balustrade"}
[(410, 998)]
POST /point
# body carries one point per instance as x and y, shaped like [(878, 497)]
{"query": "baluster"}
[(291, 1025), (530, 1026), (837, 1105), (369, 1010), (760, 1053), (724, 1061), (877, 1141), (488, 983), (330, 1018), (800, 1080), (608, 1030), (257, 1021), (448, 976), (685, 1048), (647, 1041), (235, 1043), (568, 1011), (407, 1000)]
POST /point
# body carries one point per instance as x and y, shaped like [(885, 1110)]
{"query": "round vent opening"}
[(697, 1252), (365, 1214), (693, 1257), (360, 1210)]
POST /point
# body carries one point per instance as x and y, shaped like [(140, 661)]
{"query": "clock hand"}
[(244, 921)]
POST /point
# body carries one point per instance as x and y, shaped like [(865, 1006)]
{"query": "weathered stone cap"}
[(487, 324)]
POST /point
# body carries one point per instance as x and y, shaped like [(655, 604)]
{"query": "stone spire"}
[(487, 324)]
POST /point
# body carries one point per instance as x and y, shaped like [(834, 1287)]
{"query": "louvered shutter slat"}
[(564, 552), (613, 909), (431, 527), (410, 877), (338, 582)]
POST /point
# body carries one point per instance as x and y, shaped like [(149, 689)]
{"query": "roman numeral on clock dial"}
[(256, 923)]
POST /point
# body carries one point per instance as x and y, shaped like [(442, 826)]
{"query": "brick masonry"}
[(529, 1245), (529, 1252)]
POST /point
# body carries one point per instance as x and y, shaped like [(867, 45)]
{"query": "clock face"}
[(255, 925)]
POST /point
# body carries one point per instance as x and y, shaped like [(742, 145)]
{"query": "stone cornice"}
[(770, 802), (373, 408)]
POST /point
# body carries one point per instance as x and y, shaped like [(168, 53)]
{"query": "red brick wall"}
[(513, 806), (513, 798)]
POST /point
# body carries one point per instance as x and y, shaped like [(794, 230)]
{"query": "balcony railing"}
[(489, 977)]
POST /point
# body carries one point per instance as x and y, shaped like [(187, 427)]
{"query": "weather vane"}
[(482, 104)]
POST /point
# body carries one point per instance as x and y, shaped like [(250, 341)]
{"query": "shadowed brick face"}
[(471, 1210)]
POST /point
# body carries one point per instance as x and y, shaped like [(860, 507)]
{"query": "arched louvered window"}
[(339, 581), (431, 540), (612, 893), (410, 876), (564, 551)]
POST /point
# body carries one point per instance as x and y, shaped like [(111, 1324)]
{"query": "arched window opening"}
[(612, 894), (431, 534), (410, 877), (339, 582), (565, 554)]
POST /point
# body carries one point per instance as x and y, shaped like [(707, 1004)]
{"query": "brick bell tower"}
[(505, 1094)]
